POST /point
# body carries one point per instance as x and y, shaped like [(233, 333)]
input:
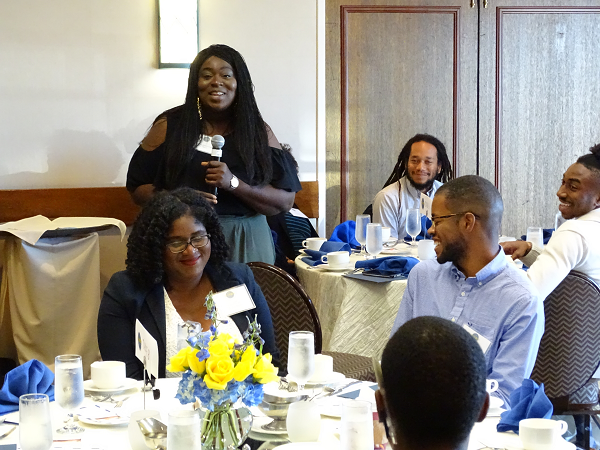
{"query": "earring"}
[(199, 108)]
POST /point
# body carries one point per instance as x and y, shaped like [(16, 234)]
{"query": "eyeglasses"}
[(434, 219), (181, 246)]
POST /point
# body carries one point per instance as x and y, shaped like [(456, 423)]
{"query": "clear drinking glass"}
[(35, 426), (303, 422), (374, 239), (413, 223), (356, 431), (184, 430), (301, 357), (360, 232), (68, 388), (535, 235)]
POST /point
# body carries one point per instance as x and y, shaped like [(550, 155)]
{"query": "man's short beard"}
[(452, 252), (422, 186)]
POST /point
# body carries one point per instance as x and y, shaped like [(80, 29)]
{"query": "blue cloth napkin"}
[(527, 402), (344, 232), (314, 256), (425, 225), (33, 377), (390, 265), (546, 235)]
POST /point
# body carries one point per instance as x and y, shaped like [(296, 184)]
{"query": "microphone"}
[(217, 142)]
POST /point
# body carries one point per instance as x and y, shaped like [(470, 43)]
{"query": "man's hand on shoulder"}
[(516, 249)]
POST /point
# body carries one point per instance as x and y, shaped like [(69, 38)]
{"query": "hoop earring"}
[(199, 107)]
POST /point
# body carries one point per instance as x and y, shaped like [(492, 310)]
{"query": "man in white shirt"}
[(576, 243), (422, 167)]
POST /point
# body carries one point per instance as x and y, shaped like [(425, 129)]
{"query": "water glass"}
[(35, 426), (374, 239), (68, 388), (184, 430), (303, 422), (535, 235), (301, 356), (356, 431), (360, 232), (413, 223)]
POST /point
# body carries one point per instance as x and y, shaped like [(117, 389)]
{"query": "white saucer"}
[(335, 377), (302, 446), (328, 268), (130, 383), (259, 421), (562, 445), (108, 422), (495, 412)]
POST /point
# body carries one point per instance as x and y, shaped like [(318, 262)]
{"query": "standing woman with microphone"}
[(254, 176)]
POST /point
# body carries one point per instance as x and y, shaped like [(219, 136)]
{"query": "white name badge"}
[(425, 205), (232, 301), (484, 343), (146, 349), (205, 145)]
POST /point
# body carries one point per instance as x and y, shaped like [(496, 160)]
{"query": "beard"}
[(421, 186), (452, 252)]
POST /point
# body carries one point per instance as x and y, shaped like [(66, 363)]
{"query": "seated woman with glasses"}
[(175, 256)]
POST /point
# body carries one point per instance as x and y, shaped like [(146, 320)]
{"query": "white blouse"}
[(176, 332)]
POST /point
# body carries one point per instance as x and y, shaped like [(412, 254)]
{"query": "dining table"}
[(356, 315), (113, 433)]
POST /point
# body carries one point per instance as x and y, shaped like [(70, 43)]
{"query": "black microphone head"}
[(217, 141)]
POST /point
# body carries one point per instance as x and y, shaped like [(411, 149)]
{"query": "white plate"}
[(130, 383), (259, 421), (495, 412), (328, 268), (562, 445), (302, 446), (335, 377), (108, 422)]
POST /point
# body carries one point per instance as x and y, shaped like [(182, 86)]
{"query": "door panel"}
[(540, 91)]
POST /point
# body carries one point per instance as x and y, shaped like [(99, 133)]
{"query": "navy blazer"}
[(123, 302)]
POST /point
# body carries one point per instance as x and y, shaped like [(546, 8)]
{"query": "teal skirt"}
[(249, 238)]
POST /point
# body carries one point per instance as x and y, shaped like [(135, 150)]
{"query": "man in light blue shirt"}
[(473, 284)]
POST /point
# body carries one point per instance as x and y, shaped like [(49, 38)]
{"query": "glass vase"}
[(226, 427)]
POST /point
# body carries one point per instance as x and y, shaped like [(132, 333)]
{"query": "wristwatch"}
[(233, 183)]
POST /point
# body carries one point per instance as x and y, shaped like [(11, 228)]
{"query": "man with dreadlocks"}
[(576, 243), (422, 167)]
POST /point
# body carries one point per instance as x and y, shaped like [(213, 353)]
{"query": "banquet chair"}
[(569, 352), (292, 310)]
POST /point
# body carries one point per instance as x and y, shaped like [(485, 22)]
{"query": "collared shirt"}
[(499, 305), (392, 202)]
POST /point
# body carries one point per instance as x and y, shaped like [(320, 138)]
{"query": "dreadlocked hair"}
[(148, 237), (591, 160), (250, 130), (400, 169)]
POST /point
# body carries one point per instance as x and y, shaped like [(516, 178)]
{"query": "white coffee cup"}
[(425, 249), (108, 374), (541, 434), (313, 243), (336, 259), (386, 233), (323, 368), (491, 385)]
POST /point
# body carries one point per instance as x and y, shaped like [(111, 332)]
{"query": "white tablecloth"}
[(356, 316)]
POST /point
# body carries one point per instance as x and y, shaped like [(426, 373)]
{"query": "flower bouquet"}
[(222, 374)]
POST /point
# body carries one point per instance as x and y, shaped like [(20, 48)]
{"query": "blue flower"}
[(213, 329), (253, 394), (202, 354), (186, 393)]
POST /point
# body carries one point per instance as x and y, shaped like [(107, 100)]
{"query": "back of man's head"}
[(592, 160), (434, 383), (477, 195)]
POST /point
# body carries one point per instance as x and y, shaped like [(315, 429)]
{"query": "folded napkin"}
[(33, 377), (527, 402), (546, 235), (314, 256), (425, 225), (344, 232), (391, 265)]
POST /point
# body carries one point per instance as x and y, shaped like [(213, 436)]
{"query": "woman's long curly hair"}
[(250, 130), (401, 167), (146, 244)]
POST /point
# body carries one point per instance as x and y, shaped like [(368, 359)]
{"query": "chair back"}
[(291, 308), (569, 352)]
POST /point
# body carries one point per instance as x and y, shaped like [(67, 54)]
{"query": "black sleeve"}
[(143, 167), (116, 326), (285, 175)]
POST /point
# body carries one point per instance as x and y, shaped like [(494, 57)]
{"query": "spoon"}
[(155, 433), (8, 432)]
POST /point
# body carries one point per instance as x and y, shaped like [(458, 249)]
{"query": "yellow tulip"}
[(219, 371), (265, 371)]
